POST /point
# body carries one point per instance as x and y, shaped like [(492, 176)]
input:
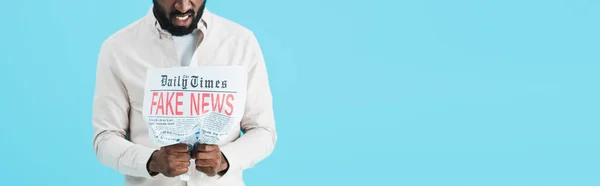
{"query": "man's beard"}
[(166, 23)]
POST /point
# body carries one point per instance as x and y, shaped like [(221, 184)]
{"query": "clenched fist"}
[(210, 160), (171, 161)]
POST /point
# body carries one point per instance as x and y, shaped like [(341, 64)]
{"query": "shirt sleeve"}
[(257, 124), (110, 120)]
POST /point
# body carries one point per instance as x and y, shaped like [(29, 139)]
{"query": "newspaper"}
[(193, 104)]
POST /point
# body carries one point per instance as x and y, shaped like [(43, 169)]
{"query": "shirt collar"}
[(161, 33)]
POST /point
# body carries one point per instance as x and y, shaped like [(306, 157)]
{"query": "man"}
[(178, 33)]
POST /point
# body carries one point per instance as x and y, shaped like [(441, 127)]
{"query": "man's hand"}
[(210, 160), (171, 161)]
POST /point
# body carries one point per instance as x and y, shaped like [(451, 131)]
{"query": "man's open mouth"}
[(183, 20), (182, 17)]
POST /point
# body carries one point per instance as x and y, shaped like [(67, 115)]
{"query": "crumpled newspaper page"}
[(193, 104)]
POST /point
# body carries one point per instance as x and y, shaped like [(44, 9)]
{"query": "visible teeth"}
[(182, 18)]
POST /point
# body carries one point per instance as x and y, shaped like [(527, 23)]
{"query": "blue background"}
[(379, 92)]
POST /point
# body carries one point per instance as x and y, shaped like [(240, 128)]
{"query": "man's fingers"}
[(181, 164), (176, 172), (207, 155), (180, 147), (178, 157), (182, 156), (205, 147), (207, 170), (207, 163), (204, 155), (181, 171), (177, 165)]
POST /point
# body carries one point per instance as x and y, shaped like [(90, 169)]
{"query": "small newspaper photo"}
[(193, 104)]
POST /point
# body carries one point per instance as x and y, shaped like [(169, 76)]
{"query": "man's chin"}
[(177, 27), (180, 31)]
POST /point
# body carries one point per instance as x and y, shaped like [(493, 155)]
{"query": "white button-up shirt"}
[(120, 133)]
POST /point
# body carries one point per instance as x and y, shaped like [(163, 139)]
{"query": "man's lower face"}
[(176, 22)]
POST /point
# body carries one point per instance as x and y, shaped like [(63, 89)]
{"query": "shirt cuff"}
[(231, 158), (140, 164)]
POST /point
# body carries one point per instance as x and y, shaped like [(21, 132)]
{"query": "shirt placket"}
[(172, 60)]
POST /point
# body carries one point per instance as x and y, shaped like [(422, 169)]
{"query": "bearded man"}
[(178, 33)]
